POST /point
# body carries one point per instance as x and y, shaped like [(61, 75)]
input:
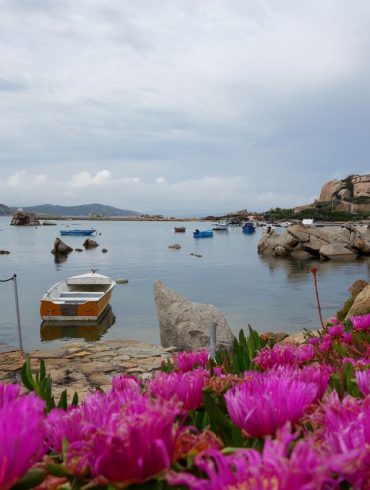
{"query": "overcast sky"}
[(182, 105)]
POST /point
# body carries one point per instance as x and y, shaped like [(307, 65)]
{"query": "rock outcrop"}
[(89, 243), (330, 189), (361, 304), (175, 246), (186, 325), (307, 241), (23, 218), (351, 194), (60, 248)]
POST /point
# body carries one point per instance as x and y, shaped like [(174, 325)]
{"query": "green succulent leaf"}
[(63, 400), (31, 479), (26, 375)]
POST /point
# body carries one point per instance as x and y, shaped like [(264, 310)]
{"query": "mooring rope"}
[(10, 278)]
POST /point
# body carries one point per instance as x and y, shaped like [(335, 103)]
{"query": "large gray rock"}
[(336, 251), (299, 232), (361, 304), (277, 244), (314, 245), (186, 325)]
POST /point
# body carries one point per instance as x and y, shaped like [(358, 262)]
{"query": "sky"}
[(182, 106)]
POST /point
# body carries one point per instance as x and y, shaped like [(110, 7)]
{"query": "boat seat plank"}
[(91, 294), (80, 299)]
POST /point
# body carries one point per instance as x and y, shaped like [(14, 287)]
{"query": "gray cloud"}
[(272, 92), (11, 86)]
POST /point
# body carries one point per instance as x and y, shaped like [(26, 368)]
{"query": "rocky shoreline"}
[(85, 367), (308, 241)]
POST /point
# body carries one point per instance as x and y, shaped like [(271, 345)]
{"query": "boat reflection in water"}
[(90, 331)]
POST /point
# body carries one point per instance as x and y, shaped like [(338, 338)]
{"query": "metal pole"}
[(212, 340), (17, 310)]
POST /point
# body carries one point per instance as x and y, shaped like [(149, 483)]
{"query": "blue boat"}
[(78, 232), (203, 234), (248, 228)]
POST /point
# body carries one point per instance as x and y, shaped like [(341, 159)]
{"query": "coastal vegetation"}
[(319, 211), (263, 415)]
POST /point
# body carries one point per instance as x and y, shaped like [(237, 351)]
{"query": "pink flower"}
[(336, 330), (8, 393), (332, 321), (137, 443), (187, 387), (265, 402), (357, 363), (284, 355), (325, 344), (363, 381), (123, 383), (22, 436), (347, 338), (186, 361), (78, 425), (313, 340), (343, 431), (361, 323), (277, 467)]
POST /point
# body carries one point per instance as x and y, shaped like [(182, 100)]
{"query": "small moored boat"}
[(81, 298), (248, 228), (78, 232), (220, 227), (180, 229), (203, 234)]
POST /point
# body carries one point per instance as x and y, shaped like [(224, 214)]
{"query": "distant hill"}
[(4, 210), (82, 210)]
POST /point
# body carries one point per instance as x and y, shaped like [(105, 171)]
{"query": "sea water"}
[(268, 293)]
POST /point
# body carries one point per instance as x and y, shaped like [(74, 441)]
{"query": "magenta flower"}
[(121, 436), (347, 338), (22, 435), (325, 344), (336, 330), (138, 443), (123, 383), (284, 355), (361, 323), (276, 467), (363, 381), (186, 361), (357, 363), (71, 426), (317, 374), (333, 320), (78, 425), (186, 387), (343, 431), (8, 393), (265, 402), (313, 341)]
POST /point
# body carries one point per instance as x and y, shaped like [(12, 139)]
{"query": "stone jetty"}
[(85, 367)]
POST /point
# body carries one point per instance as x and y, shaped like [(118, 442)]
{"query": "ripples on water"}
[(268, 293)]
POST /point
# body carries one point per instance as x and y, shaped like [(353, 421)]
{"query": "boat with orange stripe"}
[(79, 298)]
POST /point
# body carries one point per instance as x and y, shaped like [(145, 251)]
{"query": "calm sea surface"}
[(270, 294)]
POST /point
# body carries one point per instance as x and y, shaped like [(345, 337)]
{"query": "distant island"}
[(94, 210)]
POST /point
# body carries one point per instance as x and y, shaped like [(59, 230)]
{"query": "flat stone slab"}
[(86, 367)]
